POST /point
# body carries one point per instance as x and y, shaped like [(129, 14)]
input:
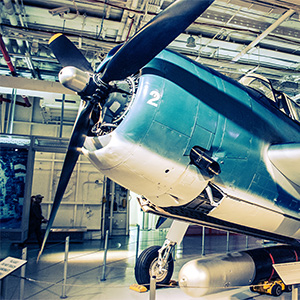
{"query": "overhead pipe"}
[(130, 26), (12, 19), (128, 23), (264, 34), (21, 12), (28, 58), (30, 66), (11, 12), (9, 8), (26, 102), (7, 57), (5, 39), (12, 112)]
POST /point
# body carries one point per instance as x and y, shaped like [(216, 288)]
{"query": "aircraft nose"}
[(96, 143)]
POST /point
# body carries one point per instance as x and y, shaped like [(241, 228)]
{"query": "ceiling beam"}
[(292, 4), (264, 34), (33, 85)]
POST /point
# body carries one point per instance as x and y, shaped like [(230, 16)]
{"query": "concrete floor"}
[(44, 279)]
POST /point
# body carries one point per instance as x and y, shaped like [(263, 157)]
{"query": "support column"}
[(12, 111)]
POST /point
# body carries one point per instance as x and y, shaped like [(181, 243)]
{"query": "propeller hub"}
[(74, 79)]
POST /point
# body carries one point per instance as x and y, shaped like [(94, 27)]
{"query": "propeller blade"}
[(67, 53), (153, 38), (132, 56), (76, 142)]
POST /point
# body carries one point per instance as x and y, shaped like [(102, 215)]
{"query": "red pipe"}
[(7, 58), (26, 104), (130, 27)]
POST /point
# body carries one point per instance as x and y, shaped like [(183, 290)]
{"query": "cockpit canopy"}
[(278, 99)]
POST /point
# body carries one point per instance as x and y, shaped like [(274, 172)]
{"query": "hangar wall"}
[(82, 205), (40, 119)]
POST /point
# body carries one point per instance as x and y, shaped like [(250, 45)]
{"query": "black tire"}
[(288, 288), (276, 290), (146, 261)]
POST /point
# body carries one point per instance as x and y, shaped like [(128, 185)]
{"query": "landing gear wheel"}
[(288, 288), (276, 290), (147, 265)]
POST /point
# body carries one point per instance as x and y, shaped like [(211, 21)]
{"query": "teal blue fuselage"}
[(181, 104), (199, 106)]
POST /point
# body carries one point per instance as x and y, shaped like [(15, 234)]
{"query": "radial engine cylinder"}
[(208, 275)]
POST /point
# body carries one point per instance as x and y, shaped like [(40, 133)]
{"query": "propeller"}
[(153, 38), (67, 53), (131, 57), (76, 142)]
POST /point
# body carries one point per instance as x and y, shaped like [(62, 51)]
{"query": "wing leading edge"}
[(286, 158)]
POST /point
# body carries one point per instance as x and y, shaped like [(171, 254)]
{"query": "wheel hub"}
[(157, 270)]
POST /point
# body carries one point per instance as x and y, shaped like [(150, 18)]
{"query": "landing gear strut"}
[(150, 264), (158, 261)]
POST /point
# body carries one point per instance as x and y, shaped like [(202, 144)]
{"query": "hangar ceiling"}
[(233, 36)]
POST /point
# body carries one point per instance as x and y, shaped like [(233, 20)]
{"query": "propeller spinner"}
[(131, 57)]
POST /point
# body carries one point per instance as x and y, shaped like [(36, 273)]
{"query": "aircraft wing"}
[(286, 158)]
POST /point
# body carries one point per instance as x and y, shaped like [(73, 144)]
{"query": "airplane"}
[(200, 147)]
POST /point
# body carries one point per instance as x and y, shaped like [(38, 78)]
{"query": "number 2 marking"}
[(156, 97)]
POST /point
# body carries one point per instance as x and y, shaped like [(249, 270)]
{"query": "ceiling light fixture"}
[(191, 43), (59, 11)]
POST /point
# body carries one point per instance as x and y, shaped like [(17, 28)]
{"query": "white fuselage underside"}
[(167, 183)]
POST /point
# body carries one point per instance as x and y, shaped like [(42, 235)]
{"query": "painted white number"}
[(156, 97)]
